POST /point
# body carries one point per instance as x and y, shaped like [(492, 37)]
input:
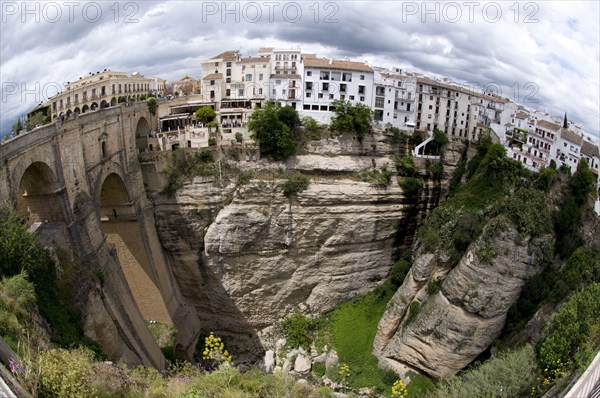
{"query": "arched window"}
[(103, 149)]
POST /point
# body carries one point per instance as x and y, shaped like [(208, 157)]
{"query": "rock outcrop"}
[(246, 256), (440, 331)]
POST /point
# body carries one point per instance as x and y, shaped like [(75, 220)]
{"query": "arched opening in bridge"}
[(38, 197), (85, 109), (124, 232), (142, 132), (77, 111), (113, 102), (103, 104), (69, 113), (94, 106)]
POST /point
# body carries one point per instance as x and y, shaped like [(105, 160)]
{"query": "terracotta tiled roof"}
[(570, 136), (431, 82), (323, 63), (280, 76), (589, 149), (254, 60), (547, 125), (227, 55), (213, 76), (265, 49)]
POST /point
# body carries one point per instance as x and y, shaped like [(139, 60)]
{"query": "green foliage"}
[(318, 369), (381, 178), (413, 312), (545, 178), (570, 329), (529, 210), (406, 166), (273, 135), (434, 286), (17, 299), (205, 114), (298, 329), (351, 118), (185, 165), (468, 227), (412, 187), (435, 169), (297, 183), (212, 142), (508, 374), (567, 224), (55, 381), (439, 140), (40, 117), (290, 117), (582, 183), (417, 137), (239, 137), (152, 105), (122, 99), (353, 327), (17, 126), (400, 269)]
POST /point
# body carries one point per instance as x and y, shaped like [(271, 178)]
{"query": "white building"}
[(326, 80), (394, 99)]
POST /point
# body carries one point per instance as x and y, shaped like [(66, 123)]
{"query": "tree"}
[(273, 135), (37, 118), (565, 123), (582, 182), (205, 114), (18, 126), (152, 105), (439, 139), (354, 118), (289, 116), (239, 137)]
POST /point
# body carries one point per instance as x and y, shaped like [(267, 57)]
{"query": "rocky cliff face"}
[(440, 330), (247, 256)]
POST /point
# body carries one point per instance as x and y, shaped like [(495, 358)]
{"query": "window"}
[(228, 72), (212, 82), (351, 98), (320, 95), (248, 77), (362, 77), (343, 97), (308, 95), (308, 73), (227, 92), (76, 99), (379, 90), (361, 89), (260, 91), (325, 86), (228, 64), (309, 85), (306, 107), (324, 107), (379, 102), (362, 99), (342, 88), (241, 92), (216, 64), (430, 106), (228, 80), (324, 76), (277, 82), (260, 76), (330, 96), (315, 107)]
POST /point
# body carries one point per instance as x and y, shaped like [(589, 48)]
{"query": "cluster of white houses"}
[(234, 85)]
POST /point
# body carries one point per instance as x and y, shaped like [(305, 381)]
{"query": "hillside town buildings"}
[(234, 85)]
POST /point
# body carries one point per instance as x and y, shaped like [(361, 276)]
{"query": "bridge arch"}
[(94, 106), (113, 101), (142, 133), (104, 104), (38, 195), (119, 222), (85, 108)]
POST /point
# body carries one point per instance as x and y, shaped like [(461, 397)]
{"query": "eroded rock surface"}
[(452, 326)]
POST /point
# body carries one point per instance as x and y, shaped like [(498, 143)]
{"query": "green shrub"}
[(298, 329), (411, 187), (434, 286), (570, 330), (318, 369), (406, 166), (297, 183), (413, 312), (508, 374), (239, 137), (400, 269), (529, 210), (66, 373), (212, 142), (435, 169)]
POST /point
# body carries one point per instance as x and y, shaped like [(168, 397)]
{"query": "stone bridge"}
[(79, 182)]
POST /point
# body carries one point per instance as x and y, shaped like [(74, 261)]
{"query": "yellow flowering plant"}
[(399, 389), (214, 351)]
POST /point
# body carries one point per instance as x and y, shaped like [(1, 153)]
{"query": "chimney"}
[(330, 60)]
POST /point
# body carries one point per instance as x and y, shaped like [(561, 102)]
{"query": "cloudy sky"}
[(543, 54)]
